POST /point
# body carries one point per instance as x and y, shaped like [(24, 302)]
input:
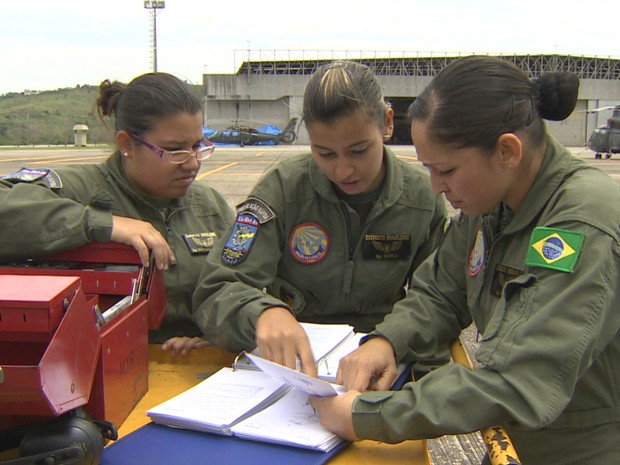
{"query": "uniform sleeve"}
[(546, 340), (230, 295), (37, 221)]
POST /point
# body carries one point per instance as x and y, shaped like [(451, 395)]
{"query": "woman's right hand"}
[(370, 367), (143, 237), (281, 339)]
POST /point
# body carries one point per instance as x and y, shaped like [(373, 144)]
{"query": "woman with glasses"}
[(144, 195), (333, 235)]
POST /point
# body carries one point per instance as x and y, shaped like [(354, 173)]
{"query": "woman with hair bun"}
[(533, 260), (143, 195)]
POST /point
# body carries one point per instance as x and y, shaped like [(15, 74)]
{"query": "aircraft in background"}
[(248, 135), (606, 139)]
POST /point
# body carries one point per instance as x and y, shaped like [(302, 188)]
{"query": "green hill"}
[(47, 118)]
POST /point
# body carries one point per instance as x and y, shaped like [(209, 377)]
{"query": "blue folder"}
[(155, 444)]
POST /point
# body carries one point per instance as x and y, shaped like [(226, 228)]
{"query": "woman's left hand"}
[(337, 413), (183, 344)]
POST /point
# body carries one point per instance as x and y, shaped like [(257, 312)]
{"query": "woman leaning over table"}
[(333, 235), (532, 261), (143, 195)]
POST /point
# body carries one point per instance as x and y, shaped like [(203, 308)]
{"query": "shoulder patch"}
[(557, 249), (46, 176), (257, 208), (240, 240)]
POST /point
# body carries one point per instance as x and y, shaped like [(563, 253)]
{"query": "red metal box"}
[(46, 377), (84, 341)]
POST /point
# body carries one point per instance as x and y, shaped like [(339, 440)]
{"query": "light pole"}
[(153, 6)]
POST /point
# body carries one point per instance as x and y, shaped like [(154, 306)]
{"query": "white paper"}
[(290, 421), (219, 401), (302, 381)]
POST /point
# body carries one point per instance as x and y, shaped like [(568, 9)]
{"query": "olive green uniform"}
[(37, 222), (313, 253), (549, 342)]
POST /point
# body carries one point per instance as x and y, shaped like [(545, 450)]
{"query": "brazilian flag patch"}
[(557, 249)]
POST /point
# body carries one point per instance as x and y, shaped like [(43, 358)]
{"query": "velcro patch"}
[(31, 175), (200, 243), (502, 275), (240, 240), (557, 249), (256, 207), (309, 243), (386, 246)]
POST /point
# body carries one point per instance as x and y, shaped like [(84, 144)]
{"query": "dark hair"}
[(340, 89), (476, 99), (135, 106)]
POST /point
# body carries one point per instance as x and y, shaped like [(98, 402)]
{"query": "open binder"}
[(245, 402)]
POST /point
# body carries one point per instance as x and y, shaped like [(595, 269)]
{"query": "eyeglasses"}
[(178, 157)]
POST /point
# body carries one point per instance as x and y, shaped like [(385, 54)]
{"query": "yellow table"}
[(169, 376)]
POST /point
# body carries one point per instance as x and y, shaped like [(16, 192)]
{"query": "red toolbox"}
[(74, 332)]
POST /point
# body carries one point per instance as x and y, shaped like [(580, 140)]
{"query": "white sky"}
[(51, 44)]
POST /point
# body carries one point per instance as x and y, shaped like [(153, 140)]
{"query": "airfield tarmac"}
[(233, 171)]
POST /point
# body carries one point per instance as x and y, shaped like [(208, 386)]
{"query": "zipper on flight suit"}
[(347, 278), (350, 266), (167, 215)]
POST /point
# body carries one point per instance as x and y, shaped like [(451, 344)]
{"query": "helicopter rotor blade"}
[(596, 110)]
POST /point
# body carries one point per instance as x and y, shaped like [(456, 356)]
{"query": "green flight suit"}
[(39, 220), (312, 253), (549, 341)]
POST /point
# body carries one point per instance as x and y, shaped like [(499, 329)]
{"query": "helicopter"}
[(248, 135), (606, 139)]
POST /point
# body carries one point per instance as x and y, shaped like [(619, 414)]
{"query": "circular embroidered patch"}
[(476, 256), (309, 243)]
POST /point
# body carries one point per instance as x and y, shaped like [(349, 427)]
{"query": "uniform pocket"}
[(513, 306)]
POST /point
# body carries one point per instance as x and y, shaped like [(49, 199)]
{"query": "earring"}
[(125, 154)]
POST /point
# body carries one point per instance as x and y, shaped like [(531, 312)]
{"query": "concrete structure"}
[(80, 132), (271, 90)]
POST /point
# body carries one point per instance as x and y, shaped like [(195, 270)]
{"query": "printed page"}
[(219, 401), (306, 383), (324, 338), (328, 366), (291, 421)]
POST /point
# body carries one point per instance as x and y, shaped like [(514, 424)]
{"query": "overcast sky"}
[(51, 44)]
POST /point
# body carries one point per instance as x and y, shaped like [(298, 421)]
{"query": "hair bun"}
[(558, 95)]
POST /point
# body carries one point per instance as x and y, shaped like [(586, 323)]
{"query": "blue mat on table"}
[(155, 444)]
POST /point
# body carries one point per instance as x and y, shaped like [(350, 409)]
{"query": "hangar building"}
[(270, 89)]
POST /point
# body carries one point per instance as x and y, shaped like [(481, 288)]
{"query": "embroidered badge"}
[(386, 246), (476, 256), (199, 243), (28, 175), (288, 294), (256, 207), (502, 275), (308, 243), (557, 249), (240, 240)]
